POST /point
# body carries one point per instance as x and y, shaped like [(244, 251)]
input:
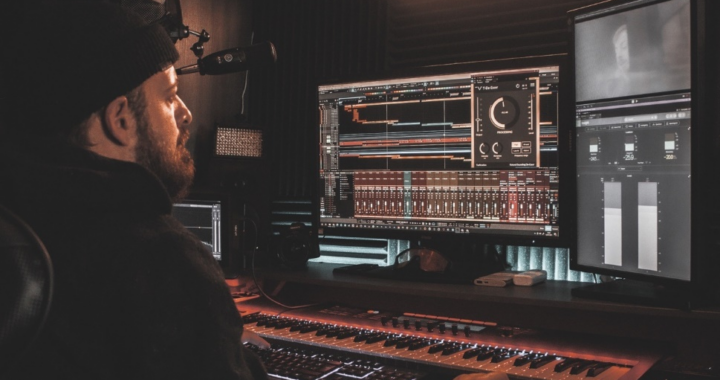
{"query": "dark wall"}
[(218, 100), (212, 99), (328, 40), (314, 39), (428, 32)]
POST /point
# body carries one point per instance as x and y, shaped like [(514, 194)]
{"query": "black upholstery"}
[(26, 284)]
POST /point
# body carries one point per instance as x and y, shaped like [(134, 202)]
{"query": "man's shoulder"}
[(148, 229), (163, 248)]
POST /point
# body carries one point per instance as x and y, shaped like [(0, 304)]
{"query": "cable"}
[(257, 284), (255, 214), (245, 84), (242, 97)]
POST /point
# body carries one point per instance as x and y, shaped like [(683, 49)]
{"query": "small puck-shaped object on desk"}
[(530, 278)]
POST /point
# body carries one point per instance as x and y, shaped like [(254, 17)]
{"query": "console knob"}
[(395, 322), (406, 323), (504, 112), (454, 329), (482, 148), (418, 325), (384, 320), (442, 328), (497, 148), (467, 331)]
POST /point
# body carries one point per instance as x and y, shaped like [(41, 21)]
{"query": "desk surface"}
[(548, 294)]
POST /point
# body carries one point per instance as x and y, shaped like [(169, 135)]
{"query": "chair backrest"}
[(26, 285)]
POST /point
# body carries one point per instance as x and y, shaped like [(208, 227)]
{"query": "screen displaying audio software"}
[(633, 124), (202, 218), (468, 153)]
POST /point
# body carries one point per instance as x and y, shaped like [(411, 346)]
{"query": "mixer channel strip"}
[(451, 354)]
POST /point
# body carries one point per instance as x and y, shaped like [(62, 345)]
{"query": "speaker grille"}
[(234, 142)]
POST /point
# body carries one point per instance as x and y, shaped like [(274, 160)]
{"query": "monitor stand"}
[(637, 293)]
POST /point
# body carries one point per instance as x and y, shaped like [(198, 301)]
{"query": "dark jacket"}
[(136, 295)]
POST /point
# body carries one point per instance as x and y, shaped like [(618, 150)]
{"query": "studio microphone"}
[(233, 60)]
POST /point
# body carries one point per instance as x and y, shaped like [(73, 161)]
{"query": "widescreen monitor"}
[(642, 156), (452, 152)]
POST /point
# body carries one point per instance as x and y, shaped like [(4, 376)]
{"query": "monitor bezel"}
[(702, 154), (446, 239)]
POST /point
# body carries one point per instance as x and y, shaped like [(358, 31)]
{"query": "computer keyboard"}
[(283, 362)]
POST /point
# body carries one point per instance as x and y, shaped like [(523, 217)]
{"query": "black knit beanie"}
[(73, 58)]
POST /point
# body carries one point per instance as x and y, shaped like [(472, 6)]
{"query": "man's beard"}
[(173, 166)]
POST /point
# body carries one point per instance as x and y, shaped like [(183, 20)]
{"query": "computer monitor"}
[(644, 159), (444, 154), (203, 216)]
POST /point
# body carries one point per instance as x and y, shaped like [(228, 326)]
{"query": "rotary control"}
[(497, 148), (483, 148), (504, 112)]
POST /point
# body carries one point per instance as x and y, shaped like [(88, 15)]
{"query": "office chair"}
[(26, 284)]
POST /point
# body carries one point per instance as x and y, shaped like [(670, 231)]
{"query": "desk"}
[(692, 336)]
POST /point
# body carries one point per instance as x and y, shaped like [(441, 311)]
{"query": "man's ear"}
[(118, 122)]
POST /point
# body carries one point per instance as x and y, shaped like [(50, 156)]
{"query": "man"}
[(622, 51), (618, 84), (93, 155)]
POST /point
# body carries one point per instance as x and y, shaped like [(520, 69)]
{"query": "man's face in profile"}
[(622, 54), (163, 132)]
